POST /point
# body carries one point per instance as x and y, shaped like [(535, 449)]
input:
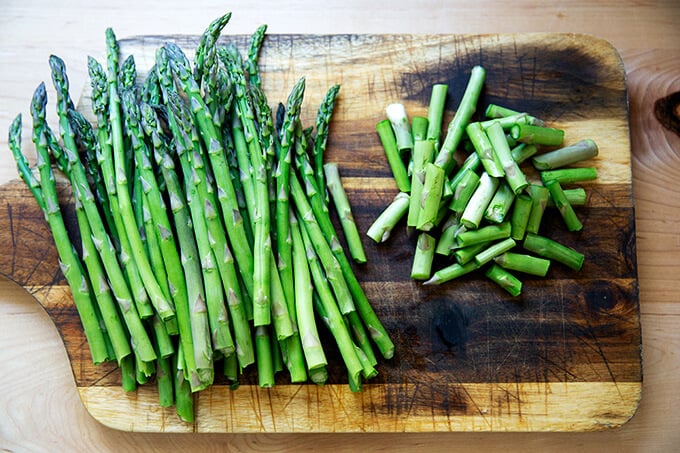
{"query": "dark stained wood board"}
[(564, 356)]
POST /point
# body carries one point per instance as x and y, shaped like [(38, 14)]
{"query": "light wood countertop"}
[(40, 408)]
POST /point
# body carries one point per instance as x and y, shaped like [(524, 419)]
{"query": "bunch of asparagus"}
[(477, 214), (206, 243)]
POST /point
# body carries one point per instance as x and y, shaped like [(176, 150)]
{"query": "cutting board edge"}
[(569, 421)]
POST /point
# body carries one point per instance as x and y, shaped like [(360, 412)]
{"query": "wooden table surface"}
[(39, 407)]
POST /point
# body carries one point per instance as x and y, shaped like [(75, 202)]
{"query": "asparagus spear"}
[(344, 210), (251, 63), (323, 117), (566, 211), (187, 145), (100, 106), (192, 319), (283, 238), (226, 195), (160, 303), (334, 318), (321, 246), (141, 343), (70, 264), (321, 213), (207, 41), (423, 153)]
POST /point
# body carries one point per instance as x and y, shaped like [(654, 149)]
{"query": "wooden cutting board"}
[(564, 356)]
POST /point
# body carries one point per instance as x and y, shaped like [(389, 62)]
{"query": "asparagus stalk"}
[(251, 63), (265, 365), (323, 118), (202, 212), (419, 128), (500, 204), (484, 234), (100, 96), (539, 200), (498, 111), (309, 335), (367, 315), (160, 303), (575, 197), (344, 210), (464, 190), (233, 220), (141, 342), (328, 260), (494, 250), (167, 277), (466, 108), (70, 264), (484, 150), (522, 152), (207, 41), (447, 241), (192, 319), (451, 272), (184, 399), (423, 153), (260, 217), (334, 318), (464, 255)]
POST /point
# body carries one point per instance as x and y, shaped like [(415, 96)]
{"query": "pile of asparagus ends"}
[(205, 242), (486, 212)]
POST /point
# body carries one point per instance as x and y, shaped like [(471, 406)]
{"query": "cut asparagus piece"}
[(389, 143), (344, 209), (581, 150), (474, 211), (569, 175), (424, 255), (565, 209), (527, 264), (466, 108), (381, 229), (553, 250), (504, 279), (396, 114)]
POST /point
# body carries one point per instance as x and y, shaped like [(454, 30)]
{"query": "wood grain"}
[(565, 356)]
